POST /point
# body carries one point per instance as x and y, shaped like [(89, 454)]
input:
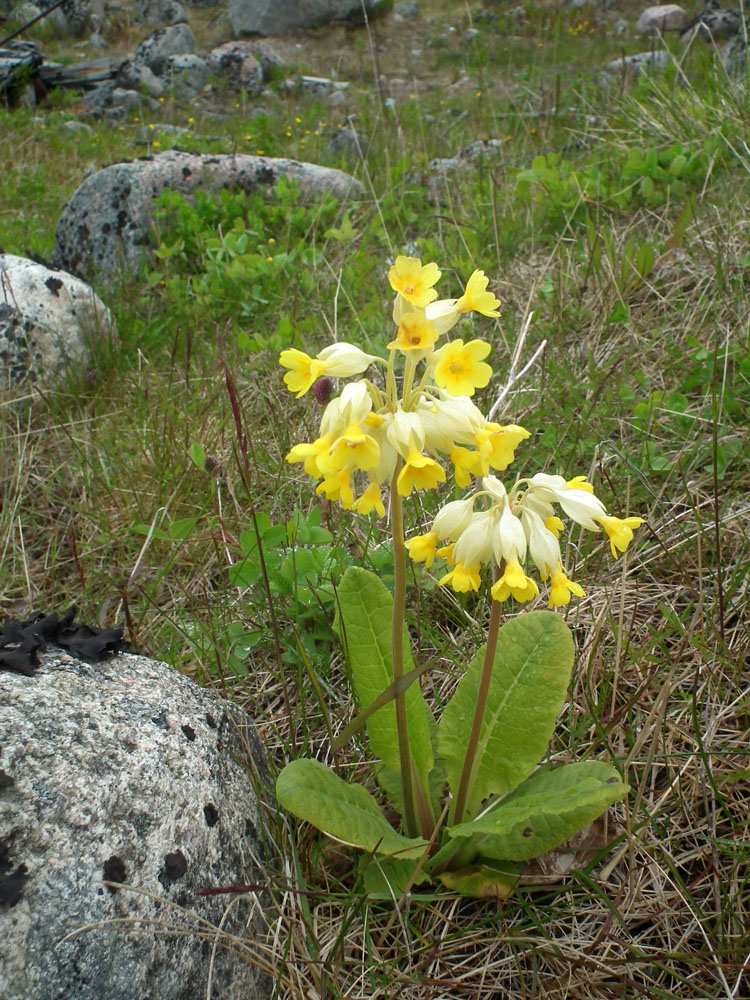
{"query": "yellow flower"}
[(620, 531), (415, 333), (580, 483), (338, 487), (312, 455), (304, 370), (370, 500), (354, 449), (414, 282), (462, 578), (465, 465), (514, 583), (497, 445), (476, 298), (446, 552), (422, 548), (460, 368), (419, 472), (560, 589), (554, 524)]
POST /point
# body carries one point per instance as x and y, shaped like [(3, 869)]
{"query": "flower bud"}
[(323, 390)]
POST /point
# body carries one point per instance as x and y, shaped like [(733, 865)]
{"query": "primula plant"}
[(473, 801)]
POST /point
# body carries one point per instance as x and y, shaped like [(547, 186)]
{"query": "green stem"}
[(397, 648), (467, 775)]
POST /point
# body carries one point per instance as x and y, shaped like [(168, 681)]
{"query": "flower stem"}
[(397, 652), (467, 776)]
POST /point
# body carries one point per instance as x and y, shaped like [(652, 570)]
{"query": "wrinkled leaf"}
[(530, 677), (345, 812), (543, 812), (365, 604)]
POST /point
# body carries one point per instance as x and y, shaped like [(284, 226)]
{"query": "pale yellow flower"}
[(460, 369), (619, 530), (476, 298), (414, 282)]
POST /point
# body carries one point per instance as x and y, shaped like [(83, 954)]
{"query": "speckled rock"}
[(239, 65), (124, 772), (162, 12), (107, 223), (45, 315), (155, 50), (187, 74)]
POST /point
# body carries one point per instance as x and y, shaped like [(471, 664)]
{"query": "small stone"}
[(406, 10), (657, 20)]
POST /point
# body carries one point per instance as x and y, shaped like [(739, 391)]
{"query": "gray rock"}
[(406, 10), (236, 62), (318, 86), (712, 24), (162, 12), (657, 20), (635, 64), (26, 12), (156, 48), (73, 125), (112, 101), (125, 772), (138, 76), (188, 74), (271, 17), (107, 223), (346, 141), (45, 317)]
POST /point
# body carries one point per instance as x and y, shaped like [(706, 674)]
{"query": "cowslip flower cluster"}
[(421, 412), (512, 525)]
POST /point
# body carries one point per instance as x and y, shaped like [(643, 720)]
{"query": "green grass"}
[(644, 382)]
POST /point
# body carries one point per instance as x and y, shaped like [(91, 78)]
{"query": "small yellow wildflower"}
[(514, 583), (466, 464), (415, 333), (414, 282), (354, 448), (460, 369), (422, 548), (303, 370), (554, 524), (338, 487), (462, 578), (476, 298), (370, 500), (419, 472), (561, 588), (580, 483), (619, 530)]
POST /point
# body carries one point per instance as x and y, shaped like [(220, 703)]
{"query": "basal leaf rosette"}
[(419, 414), (503, 528)]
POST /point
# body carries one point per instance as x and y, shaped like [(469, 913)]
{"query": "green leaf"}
[(481, 881), (533, 661), (179, 530), (544, 811), (386, 878), (197, 455), (347, 813), (365, 605)]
